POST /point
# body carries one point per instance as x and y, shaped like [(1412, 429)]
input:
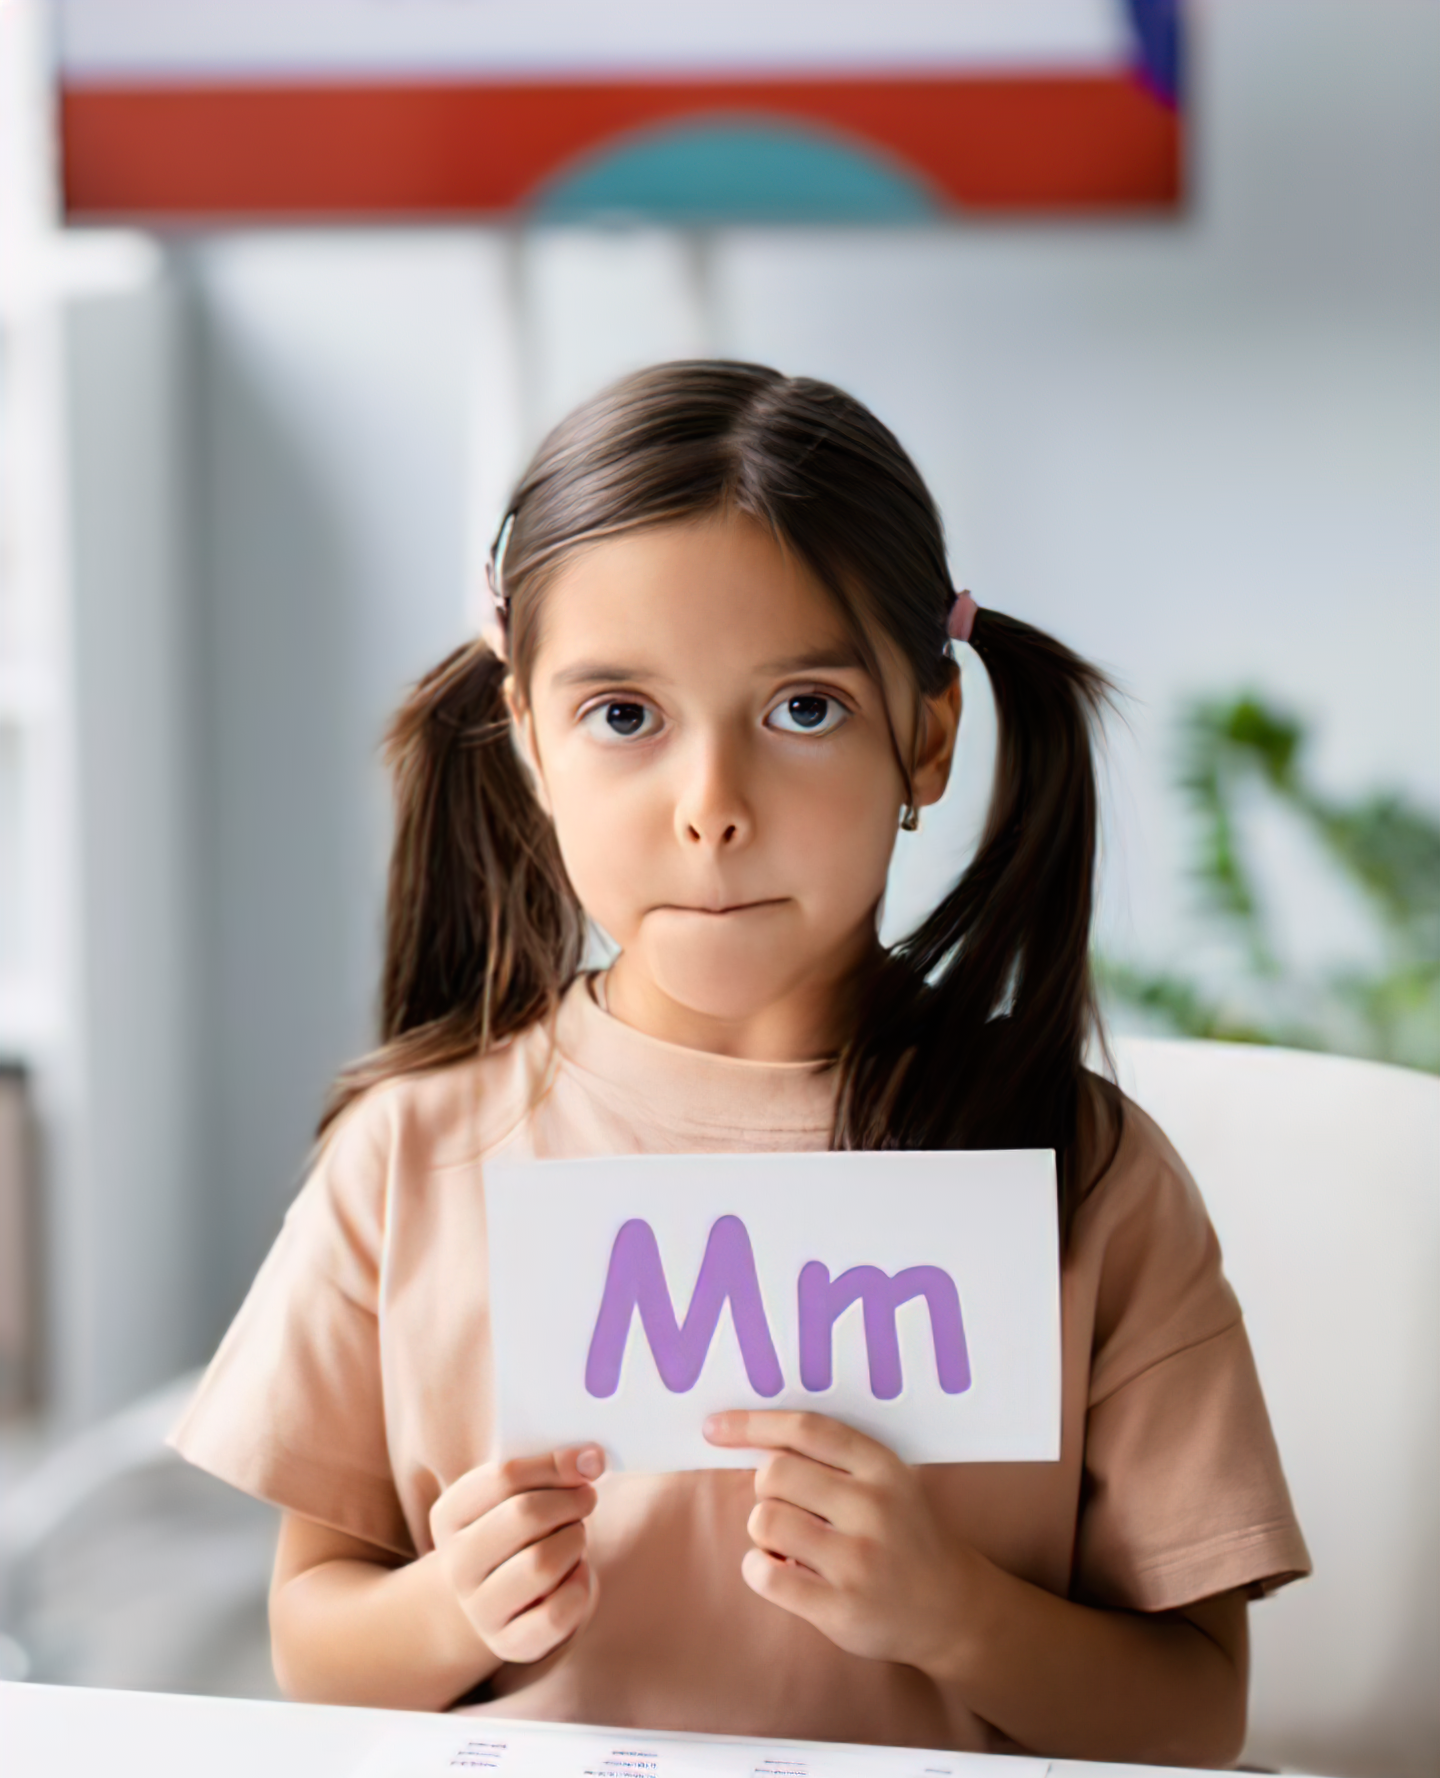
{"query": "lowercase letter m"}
[(823, 1301), (636, 1280)]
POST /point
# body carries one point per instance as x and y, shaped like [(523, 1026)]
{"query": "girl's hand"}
[(511, 1541), (845, 1538)]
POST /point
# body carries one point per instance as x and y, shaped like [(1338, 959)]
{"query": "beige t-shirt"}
[(355, 1385)]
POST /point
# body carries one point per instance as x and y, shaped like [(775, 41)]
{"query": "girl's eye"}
[(811, 713), (621, 719)]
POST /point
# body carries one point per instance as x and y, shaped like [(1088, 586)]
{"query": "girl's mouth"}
[(734, 907)]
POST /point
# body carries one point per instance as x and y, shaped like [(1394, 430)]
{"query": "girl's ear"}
[(935, 742), (522, 727)]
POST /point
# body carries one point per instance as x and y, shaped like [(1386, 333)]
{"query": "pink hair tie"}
[(962, 617)]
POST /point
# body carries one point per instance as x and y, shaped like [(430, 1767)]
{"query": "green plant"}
[(1384, 845)]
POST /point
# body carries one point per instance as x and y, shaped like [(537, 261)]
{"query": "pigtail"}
[(482, 929), (975, 1033)]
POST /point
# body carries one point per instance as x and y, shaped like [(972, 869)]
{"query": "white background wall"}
[(332, 379), (1204, 455), (1204, 452)]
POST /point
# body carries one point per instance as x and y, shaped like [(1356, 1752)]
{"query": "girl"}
[(722, 678)]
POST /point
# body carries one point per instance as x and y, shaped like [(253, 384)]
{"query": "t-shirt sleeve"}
[(1183, 1493), (292, 1407)]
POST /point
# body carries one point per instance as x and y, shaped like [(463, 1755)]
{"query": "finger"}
[(792, 1534), (477, 1550), (579, 1463), (551, 1623), (812, 1435), (793, 1589), (829, 1493), (479, 1490), (517, 1586)]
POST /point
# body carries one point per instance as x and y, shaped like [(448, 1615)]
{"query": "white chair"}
[(1322, 1176), (121, 1566)]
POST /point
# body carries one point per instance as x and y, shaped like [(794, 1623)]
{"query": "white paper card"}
[(424, 1748), (914, 1296)]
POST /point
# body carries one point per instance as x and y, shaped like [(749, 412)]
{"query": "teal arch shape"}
[(736, 173)]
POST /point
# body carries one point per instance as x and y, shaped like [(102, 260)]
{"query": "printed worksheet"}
[(425, 1748)]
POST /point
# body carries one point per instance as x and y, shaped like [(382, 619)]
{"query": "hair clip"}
[(495, 566), (961, 620)]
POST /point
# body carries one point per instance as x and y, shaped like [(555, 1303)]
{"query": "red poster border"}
[(430, 150)]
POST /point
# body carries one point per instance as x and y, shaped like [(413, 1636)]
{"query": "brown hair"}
[(972, 1032)]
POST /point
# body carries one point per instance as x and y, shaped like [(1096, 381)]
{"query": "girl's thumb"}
[(584, 1462)]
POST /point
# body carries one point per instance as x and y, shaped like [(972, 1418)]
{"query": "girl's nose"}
[(712, 810)]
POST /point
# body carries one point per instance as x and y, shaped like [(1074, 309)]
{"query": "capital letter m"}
[(822, 1302), (636, 1280)]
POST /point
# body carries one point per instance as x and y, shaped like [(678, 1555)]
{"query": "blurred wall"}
[(119, 1073), (1204, 453), (333, 378)]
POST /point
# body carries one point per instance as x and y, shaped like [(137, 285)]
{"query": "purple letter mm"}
[(821, 1302), (636, 1280)]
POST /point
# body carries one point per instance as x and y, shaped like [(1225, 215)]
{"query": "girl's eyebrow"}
[(600, 672), (609, 672), (823, 660)]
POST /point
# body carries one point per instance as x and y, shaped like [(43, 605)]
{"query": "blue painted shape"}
[(735, 172), (1160, 44)]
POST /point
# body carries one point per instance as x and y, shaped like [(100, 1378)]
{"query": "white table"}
[(73, 1732)]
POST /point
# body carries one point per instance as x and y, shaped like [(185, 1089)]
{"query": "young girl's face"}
[(721, 774)]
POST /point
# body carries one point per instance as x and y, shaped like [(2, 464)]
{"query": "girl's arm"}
[(845, 1538), (351, 1624), (508, 1580), (1163, 1688)]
